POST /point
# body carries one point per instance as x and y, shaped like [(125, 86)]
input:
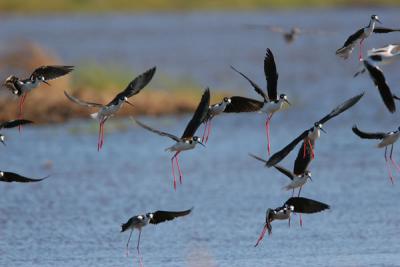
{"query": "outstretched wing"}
[(285, 171), (135, 86), (48, 73), (380, 82), (281, 154), (365, 135), (177, 139), (271, 75), (13, 177), (258, 158), (243, 104), (255, 86), (81, 102), (341, 108), (385, 30), (162, 216), (306, 205), (14, 123), (198, 116)]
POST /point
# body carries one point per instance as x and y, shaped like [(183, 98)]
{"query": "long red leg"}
[(360, 50), (98, 139), (102, 135), (301, 221), (304, 149), (312, 149), (267, 129), (173, 170), (393, 161), (138, 249), (261, 235), (179, 168), (21, 104), (127, 244), (388, 167), (208, 130)]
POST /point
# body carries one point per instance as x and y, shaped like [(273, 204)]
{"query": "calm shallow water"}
[(74, 217)]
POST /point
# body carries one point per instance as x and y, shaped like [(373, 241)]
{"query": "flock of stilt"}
[(270, 103)]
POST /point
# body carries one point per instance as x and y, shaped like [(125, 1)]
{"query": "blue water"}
[(73, 218)]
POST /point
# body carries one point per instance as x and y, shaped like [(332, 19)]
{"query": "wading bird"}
[(297, 181), (11, 124), (388, 139), (13, 177), (188, 140), (272, 102), (360, 36), (43, 74), (310, 135), (294, 204), (109, 110), (140, 221)]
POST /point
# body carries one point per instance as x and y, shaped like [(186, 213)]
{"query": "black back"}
[(50, 72), (306, 205), (13, 177), (354, 37), (243, 104), (199, 115), (14, 123), (162, 216), (385, 30), (365, 135)]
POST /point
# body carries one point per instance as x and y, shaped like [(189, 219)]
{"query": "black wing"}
[(255, 86), (385, 30), (271, 75), (303, 160), (341, 108), (380, 82), (285, 171), (306, 205), (258, 158), (14, 123), (162, 216), (50, 72), (177, 139), (13, 177), (280, 155), (354, 37), (243, 104), (135, 86), (365, 135), (82, 102), (198, 116)]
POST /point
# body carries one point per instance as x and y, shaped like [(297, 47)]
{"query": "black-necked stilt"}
[(272, 102), (310, 135), (379, 80), (14, 177), (188, 140), (139, 221), (293, 204), (304, 157), (109, 110), (360, 36), (43, 74), (381, 56), (388, 139), (233, 104), (297, 181), (11, 124)]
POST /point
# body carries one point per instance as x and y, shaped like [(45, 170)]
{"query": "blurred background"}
[(73, 218)]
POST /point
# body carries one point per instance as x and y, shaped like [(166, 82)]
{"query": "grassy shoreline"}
[(95, 6)]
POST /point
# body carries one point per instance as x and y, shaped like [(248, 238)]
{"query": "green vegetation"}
[(40, 6)]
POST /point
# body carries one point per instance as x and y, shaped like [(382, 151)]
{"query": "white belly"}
[(108, 111), (181, 146), (216, 110), (296, 183), (314, 135), (271, 107), (282, 215), (389, 140), (29, 86)]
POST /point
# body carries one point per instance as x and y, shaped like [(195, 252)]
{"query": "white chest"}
[(181, 146), (282, 215), (271, 107), (217, 109), (389, 140), (109, 111), (28, 85), (314, 134)]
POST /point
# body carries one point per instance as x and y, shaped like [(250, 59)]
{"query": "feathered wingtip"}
[(344, 52)]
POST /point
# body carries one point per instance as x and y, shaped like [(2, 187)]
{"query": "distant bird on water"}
[(272, 102), (294, 204), (109, 110), (188, 140), (360, 36), (140, 221), (388, 139), (14, 177), (11, 124), (43, 74), (310, 135)]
